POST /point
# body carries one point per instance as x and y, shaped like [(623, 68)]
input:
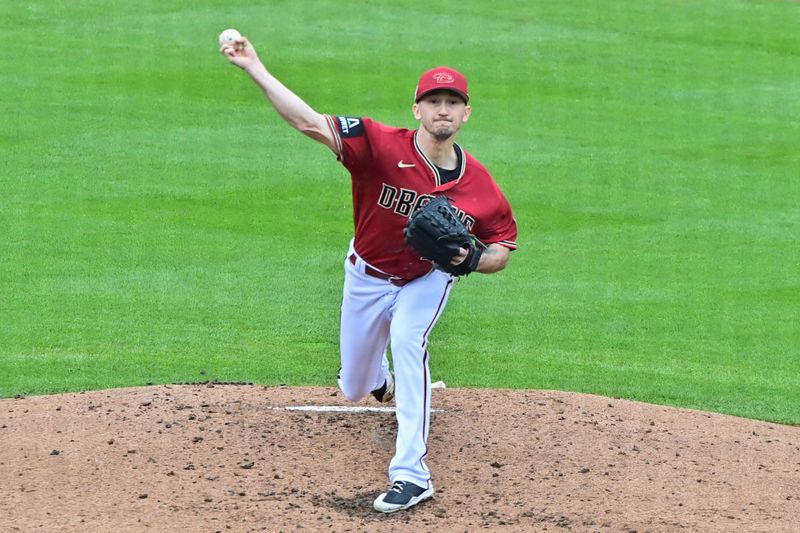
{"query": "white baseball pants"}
[(377, 315)]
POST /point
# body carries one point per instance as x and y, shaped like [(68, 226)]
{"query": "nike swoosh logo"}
[(404, 165)]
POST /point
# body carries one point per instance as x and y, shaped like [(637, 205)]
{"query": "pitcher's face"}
[(441, 113)]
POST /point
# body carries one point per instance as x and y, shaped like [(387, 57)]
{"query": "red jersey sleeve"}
[(502, 228), (353, 137)]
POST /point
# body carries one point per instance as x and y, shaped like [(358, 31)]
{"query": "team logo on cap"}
[(443, 77)]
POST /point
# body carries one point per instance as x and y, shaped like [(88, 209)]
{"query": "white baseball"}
[(229, 36)]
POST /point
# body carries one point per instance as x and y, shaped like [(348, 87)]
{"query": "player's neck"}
[(440, 152)]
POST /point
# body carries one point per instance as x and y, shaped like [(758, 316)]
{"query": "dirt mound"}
[(233, 458)]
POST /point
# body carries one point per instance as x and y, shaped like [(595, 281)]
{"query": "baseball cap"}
[(442, 78)]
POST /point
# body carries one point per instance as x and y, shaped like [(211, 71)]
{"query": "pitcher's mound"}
[(233, 458)]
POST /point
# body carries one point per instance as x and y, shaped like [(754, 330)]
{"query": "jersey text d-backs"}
[(391, 177)]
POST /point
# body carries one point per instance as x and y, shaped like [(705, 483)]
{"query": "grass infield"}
[(161, 224)]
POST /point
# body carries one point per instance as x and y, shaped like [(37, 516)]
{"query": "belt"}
[(375, 273)]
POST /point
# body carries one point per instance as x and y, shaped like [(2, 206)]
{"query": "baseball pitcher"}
[(425, 212)]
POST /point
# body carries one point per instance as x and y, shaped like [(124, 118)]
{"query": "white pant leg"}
[(417, 308), (364, 332)]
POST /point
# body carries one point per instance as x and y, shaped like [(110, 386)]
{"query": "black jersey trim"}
[(336, 136), (436, 174), (446, 176), (436, 177), (463, 161)]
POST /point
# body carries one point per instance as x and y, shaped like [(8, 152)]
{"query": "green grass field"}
[(161, 224)]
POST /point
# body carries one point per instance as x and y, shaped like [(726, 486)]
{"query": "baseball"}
[(228, 36)]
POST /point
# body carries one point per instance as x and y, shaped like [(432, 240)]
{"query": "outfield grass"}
[(161, 224)]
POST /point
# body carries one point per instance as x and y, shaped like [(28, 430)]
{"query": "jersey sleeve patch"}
[(349, 126)]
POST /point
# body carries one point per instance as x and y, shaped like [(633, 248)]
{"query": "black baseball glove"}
[(438, 235)]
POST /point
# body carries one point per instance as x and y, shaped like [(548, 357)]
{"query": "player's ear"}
[(415, 110), (467, 113)]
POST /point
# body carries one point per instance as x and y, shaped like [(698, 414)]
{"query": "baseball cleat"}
[(402, 495), (386, 393)]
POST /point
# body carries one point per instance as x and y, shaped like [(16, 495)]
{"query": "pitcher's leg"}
[(412, 398), (416, 311), (364, 333)]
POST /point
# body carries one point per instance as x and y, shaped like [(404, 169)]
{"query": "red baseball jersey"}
[(391, 177)]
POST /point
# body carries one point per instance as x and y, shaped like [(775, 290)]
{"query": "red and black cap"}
[(442, 78)]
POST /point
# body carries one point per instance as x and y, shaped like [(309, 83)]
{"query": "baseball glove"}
[(438, 235)]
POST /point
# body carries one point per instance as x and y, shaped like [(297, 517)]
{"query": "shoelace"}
[(397, 486)]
